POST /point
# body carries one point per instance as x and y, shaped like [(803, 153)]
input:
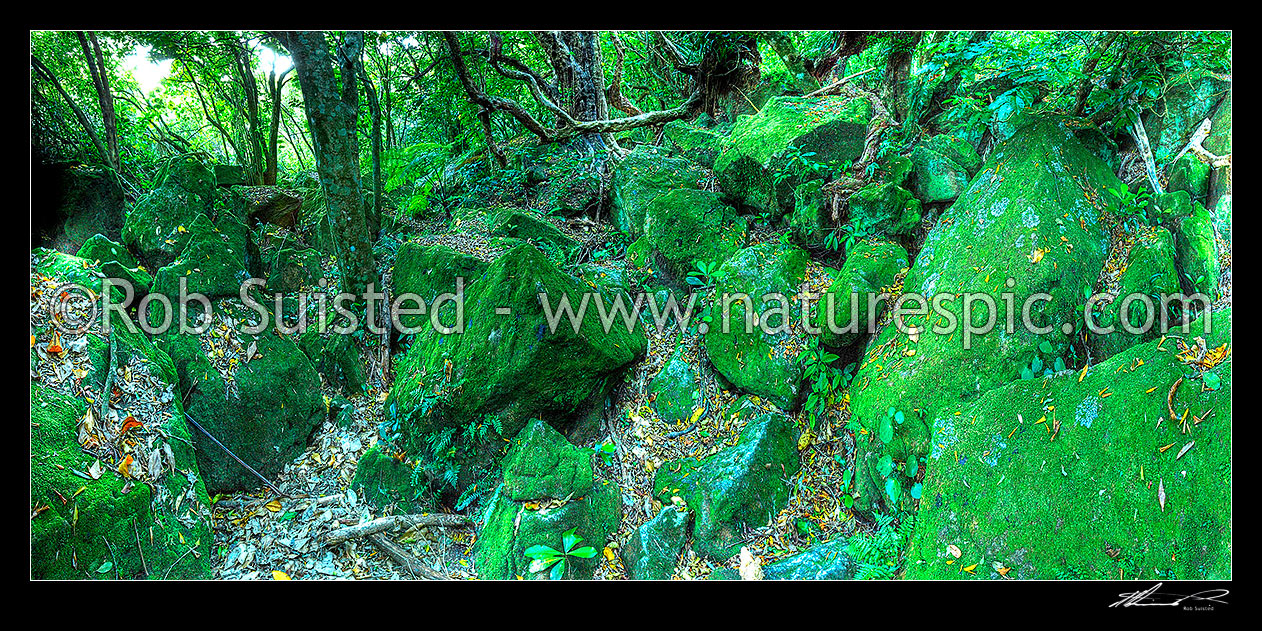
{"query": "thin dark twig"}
[(234, 456)]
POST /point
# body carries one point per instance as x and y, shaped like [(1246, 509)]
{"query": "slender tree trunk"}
[(1088, 67), (47, 75), (275, 88), (331, 114), (101, 81), (576, 61), (374, 109)]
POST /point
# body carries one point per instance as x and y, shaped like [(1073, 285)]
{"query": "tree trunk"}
[(331, 114), (101, 81), (898, 72), (374, 109), (47, 75), (275, 88), (576, 62)]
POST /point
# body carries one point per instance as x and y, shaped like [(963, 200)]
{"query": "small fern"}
[(877, 554)]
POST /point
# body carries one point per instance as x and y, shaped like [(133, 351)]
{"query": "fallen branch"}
[(835, 86), (383, 524), (409, 562), (1194, 145), (1141, 141)]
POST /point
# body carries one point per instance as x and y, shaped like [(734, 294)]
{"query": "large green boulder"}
[(812, 218), (687, 225), (116, 262), (1149, 272), (541, 464), (674, 390), (513, 224), (737, 488), (884, 209), (511, 361), (642, 177), (563, 179), (334, 356), (1085, 475), (71, 203), (262, 407), (1028, 216), (510, 528), (827, 561), (1198, 252), (157, 225), (211, 263), (96, 481), (429, 271), (832, 128), (870, 270), (1188, 98), (653, 549), (1190, 174), (293, 269), (698, 144), (936, 177), (956, 150), (753, 346), (1169, 208)]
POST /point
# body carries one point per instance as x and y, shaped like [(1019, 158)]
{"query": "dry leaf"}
[(278, 575), (1161, 494), (274, 506), (954, 550)]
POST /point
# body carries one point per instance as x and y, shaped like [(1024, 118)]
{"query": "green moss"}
[(738, 488), (1149, 272), (759, 362), (642, 177), (674, 392), (116, 262), (541, 464), (382, 480), (833, 128), (687, 225), (1198, 252), (1086, 503), (885, 209), (509, 528), (1032, 201), (870, 267), (430, 271)]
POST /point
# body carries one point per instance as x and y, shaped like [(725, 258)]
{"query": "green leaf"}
[(1212, 380), (570, 539), (542, 552), (585, 552), (558, 571), (885, 465), (1046, 347), (916, 490), (886, 430), (893, 490), (105, 567)]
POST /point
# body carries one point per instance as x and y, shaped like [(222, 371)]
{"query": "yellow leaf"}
[(608, 554), (970, 568), (278, 575), (274, 506)]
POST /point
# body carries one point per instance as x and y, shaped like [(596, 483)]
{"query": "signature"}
[(1153, 598)]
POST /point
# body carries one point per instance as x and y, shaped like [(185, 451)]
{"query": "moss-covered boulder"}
[(1190, 174), (956, 150), (1198, 252), (264, 408), (674, 391), (292, 269), (653, 549), (870, 270), (429, 271), (1086, 474), (642, 177), (812, 218), (383, 480), (698, 144), (1170, 208), (1189, 97), (71, 203), (269, 204), (886, 209), (512, 224), (687, 225), (740, 487), (1029, 215), (894, 169), (97, 480), (833, 128), (509, 361), (563, 179), (936, 177), (116, 262), (510, 528), (756, 348), (1149, 273), (334, 356), (212, 263), (541, 464), (157, 225)]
